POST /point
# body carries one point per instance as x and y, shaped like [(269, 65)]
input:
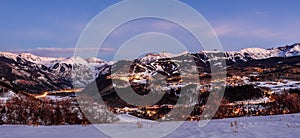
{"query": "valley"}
[(252, 82)]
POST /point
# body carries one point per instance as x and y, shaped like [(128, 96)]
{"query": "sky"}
[(53, 27)]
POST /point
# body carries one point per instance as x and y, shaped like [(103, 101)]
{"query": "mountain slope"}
[(158, 73), (31, 73), (28, 72), (259, 53)]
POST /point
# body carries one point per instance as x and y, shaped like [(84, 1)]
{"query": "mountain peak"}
[(9, 55), (94, 60)]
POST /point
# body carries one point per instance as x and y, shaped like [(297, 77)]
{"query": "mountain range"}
[(35, 74)]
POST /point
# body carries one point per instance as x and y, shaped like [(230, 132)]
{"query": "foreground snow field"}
[(267, 126)]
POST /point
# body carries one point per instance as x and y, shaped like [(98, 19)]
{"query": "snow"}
[(57, 98), (256, 53), (142, 81), (266, 126), (94, 60), (4, 100), (256, 101), (80, 71), (6, 96), (294, 51), (37, 59), (152, 56), (9, 94), (9, 55), (49, 132), (217, 64), (50, 61), (275, 86), (259, 53), (126, 118)]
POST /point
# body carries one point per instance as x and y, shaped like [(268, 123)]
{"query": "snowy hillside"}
[(28, 71), (245, 54), (259, 53), (267, 126), (47, 73)]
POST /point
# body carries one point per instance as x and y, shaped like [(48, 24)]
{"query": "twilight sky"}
[(52, 27)]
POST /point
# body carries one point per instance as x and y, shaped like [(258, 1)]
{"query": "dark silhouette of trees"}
[(31, 111), (240, 93)]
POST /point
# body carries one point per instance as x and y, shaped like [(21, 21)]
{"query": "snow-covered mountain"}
[(243, 55), (45, 73), (176, 71), (155, 56), (259, 53)]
